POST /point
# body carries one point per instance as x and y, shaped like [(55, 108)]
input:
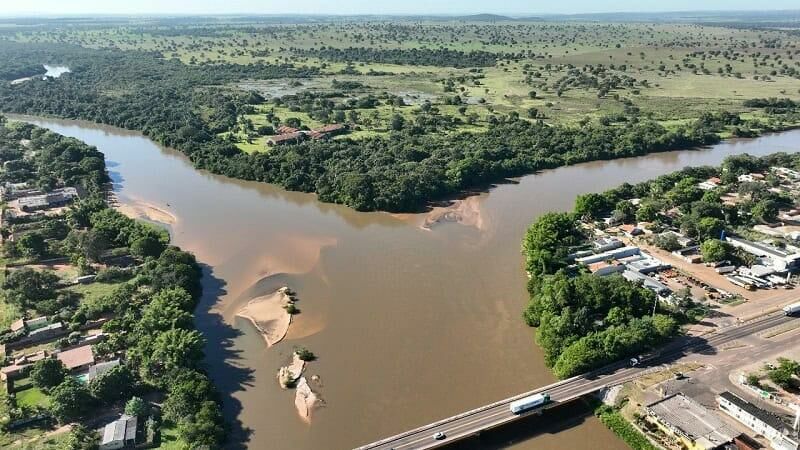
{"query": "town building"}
[(120, 433), (609, 255), (648, 282), (762, 422), (605, 244), (787, 173), (602, 268), (54, 199), (780, 259), (688, 422)]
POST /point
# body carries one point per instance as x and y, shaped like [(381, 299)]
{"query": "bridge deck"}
[(497, 414)]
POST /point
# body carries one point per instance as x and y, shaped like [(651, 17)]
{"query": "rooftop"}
[(101, 368), (689, 418), (773, 420), (77, 357), (122, 429)]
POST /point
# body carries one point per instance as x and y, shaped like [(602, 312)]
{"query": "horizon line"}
[(512, 15)]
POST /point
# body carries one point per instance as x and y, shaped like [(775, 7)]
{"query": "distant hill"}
[(486, 18)]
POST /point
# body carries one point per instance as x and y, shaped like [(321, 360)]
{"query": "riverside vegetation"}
[(427, 123), (144, 307)]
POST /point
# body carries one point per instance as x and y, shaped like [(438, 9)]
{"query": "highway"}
[(497, 414)]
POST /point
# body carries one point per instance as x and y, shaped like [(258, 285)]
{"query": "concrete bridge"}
[(497, 414)]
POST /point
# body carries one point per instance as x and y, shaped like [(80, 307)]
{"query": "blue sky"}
[(11, 7)]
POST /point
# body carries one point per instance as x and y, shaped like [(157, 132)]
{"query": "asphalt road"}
[(497, 414)]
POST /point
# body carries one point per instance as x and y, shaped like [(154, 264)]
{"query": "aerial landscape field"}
[(533, 231)]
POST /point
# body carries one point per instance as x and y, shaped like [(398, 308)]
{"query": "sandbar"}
[(268, 314)]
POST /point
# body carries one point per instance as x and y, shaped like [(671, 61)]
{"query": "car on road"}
[(439, 436)]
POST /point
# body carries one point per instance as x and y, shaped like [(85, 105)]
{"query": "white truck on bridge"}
[(529, 402), (792, 309)]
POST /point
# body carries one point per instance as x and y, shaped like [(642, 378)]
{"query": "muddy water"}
[(410, 324)]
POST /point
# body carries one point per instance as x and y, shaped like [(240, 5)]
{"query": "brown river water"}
[(410, 324)]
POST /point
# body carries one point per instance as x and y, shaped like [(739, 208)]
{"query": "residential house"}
[(327, 131), (709, 184), (288, 138), (77, 359), (100, 368), (750, 177), (787, 173), (283, 129), (762, 422)]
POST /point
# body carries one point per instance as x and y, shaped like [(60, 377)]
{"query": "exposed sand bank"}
[(140, 209), (465, 212), (268, 314), (305, 400), (288, 375)]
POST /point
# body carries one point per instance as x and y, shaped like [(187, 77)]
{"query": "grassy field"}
[(170, 439), (32, 398), (676, 71)]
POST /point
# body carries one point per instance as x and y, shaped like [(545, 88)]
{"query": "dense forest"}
[(178, 105), (147, 314), (441, 57)]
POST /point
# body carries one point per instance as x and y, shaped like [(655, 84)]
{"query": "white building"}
[(120, 433), (764, 423), (781, 259), (609, 255)]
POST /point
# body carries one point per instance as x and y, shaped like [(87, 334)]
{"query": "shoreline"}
[(143, 210)]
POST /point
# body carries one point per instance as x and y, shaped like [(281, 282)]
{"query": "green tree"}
[(137, 407), (714, 250), (70, 400), (145, 246), (648, 211), (548, 240), (205, 428), (709, 227), (113, 385), (187, 391), (31, 245), (397, 122), (784, 374), (26, 287), (48, 373), (684, 192), (592, 205), (765, 211), (668, 242)]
